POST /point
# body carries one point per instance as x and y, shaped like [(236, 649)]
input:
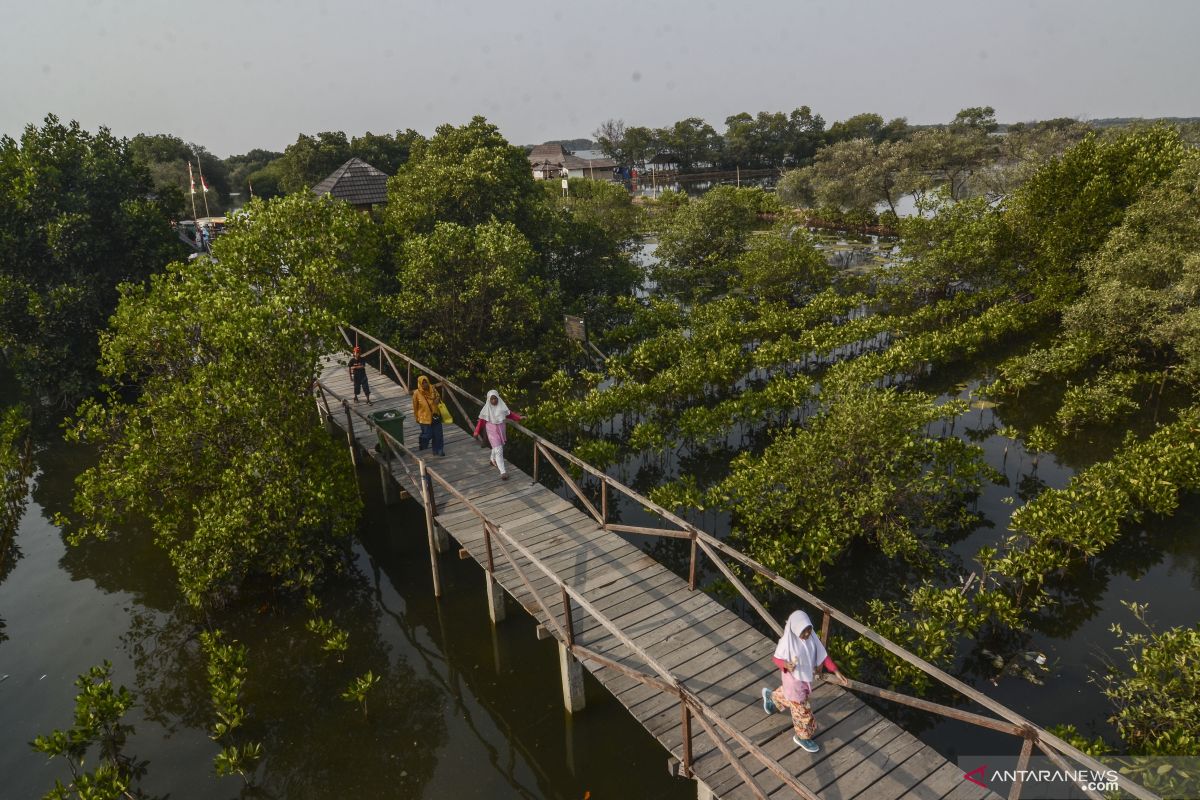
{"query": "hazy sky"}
[(255, 73)]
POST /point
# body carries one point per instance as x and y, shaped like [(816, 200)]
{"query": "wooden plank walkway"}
[(707, 648)]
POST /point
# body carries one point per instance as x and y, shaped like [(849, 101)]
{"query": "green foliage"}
[(867, 126), (16, 467), (863, 468), (238, 760), (1084, 518), (487, 260), (699, 242), (586, 247), (218, 449), (469, 175), (692, 142), (243, 168), (772, 139), (1065, 211), (857, 173), (1156, 690), (356, 692), (1137, 314), (167, 157), (77, 217), (782, 266), (99, 709), (597, 452), (930, 621), (310, 159), (469, 294), (226, 677), (961, 243), (333, 638), (226, 669)]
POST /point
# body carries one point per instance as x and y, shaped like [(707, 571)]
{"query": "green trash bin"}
[(393, 423)]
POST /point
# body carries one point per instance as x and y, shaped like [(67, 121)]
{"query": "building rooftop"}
[(356, 182), (556, 154)]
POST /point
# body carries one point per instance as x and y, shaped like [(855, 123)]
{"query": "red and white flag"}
[(203, 184), (191, 180)]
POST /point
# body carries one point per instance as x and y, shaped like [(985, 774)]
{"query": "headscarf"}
[(806, 654), (425, 388), (495, 414), (427, 395)]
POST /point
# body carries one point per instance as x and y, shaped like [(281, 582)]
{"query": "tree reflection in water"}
[(315, 743)]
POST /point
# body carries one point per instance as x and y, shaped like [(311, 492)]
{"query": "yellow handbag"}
[(444, 412)]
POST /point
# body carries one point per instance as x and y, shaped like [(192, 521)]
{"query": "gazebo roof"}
[(356, 182)]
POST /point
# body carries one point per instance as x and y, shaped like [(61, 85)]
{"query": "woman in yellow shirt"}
[(426, 402)]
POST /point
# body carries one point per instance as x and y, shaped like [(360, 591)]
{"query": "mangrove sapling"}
[(226, 671), (99, 709), (334, 639), (356, 692)]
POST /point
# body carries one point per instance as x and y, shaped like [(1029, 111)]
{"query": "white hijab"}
[(805, 654), (495, 414)]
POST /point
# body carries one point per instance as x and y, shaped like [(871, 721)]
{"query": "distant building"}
[(356, 182), (549, 160)]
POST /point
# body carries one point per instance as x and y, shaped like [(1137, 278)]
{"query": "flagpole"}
[(192, 188), (200, 169)]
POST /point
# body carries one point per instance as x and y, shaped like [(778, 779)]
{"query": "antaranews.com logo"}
[(1169, 777), (1040, 779)]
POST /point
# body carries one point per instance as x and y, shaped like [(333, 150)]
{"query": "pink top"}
[(496, 433), (827, 664)]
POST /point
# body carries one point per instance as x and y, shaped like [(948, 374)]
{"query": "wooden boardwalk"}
[(704, 646)]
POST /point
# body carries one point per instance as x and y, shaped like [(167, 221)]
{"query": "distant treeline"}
[(766, 140), (787, 140)]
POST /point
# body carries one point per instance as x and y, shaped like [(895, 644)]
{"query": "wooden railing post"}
[(569, 626), (350, 434), (427, 497), (1022, 764), (692, 565), (825, 617), (487, 542), (686, 763), (603, 502), (537, 449)]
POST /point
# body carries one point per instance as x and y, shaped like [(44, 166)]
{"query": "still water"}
[(464, 709)]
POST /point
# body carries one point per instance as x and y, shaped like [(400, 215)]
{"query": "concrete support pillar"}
[(572, 679), (703, 792), (391, 494), (495, 598)]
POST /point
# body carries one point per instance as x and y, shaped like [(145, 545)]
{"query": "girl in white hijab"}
[(798, 655), (493, 418)]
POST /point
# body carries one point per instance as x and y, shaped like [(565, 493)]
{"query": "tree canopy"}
[(206, 428), (79, 214)]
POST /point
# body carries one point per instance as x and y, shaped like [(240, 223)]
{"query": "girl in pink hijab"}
[(798, 655)]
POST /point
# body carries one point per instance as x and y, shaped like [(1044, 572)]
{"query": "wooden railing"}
[(1010, 722)]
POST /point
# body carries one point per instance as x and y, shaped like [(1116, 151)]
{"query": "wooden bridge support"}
[(703, 792), (391, 492), (572, 679), (495, 599)]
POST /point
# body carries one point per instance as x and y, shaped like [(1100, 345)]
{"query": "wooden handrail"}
[(710, 543)]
